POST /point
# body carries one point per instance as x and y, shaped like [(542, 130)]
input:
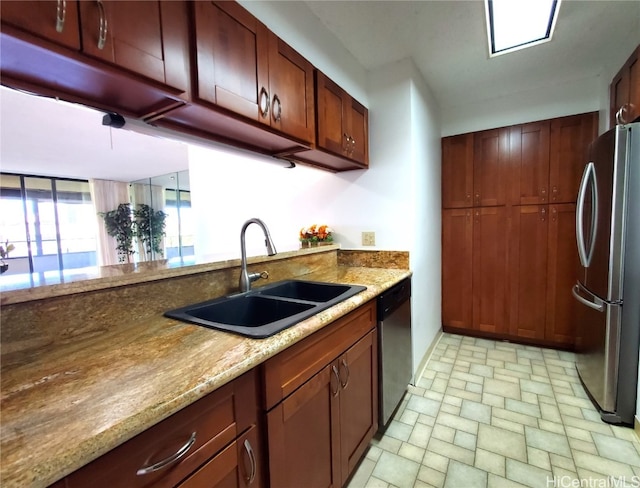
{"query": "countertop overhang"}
[(77, 402)]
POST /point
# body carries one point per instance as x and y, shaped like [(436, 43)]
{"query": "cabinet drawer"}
[(237, 466), (291, 368), (198, 431)]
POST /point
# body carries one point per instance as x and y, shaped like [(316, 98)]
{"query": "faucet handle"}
[(256, 276)]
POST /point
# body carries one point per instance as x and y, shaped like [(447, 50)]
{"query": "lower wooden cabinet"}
[(214, 443), (507, 272), (474, 269), (318, 433), (320, 410)]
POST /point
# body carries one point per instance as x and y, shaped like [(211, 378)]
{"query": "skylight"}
[(516, 24)]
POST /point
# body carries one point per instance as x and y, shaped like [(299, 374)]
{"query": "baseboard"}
[(636, 426), (425, 359)]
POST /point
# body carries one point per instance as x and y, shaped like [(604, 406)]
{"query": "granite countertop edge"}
[(38, 449)]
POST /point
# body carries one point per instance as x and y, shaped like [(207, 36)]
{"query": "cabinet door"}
[(137, 35), (232, 59), (358, 130), (562, 273), (625, 90), (303, 434), (490, 158), (331, 128), (528, 270), (489, 269), (457, 247), (358, 373), (291, 89), (457, 171), (570, 139), (529, 163), (55, 21)]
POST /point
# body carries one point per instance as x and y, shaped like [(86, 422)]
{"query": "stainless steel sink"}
[(265, 311)]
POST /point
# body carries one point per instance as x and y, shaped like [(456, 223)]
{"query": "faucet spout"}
[(247, 278)]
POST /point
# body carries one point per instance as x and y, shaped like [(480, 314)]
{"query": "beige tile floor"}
[(496, 414)]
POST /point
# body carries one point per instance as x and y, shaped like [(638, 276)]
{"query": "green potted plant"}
[(4, 253), (149, 226), (120, 226)]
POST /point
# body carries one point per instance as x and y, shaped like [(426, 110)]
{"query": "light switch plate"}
[(368, 238)]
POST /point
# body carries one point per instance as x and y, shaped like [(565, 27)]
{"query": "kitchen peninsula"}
[(88, 365)]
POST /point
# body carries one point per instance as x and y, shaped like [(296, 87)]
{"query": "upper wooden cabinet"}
[(127, 57), (342, 121), (457, 171), (243, 67), (140, 36), (342, 129), (52, 20), (529, 163), (624, 95), (569, 143), (490, 164)]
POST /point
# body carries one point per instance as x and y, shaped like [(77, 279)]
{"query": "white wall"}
[(568, 98)]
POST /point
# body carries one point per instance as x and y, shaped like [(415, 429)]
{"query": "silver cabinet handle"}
[(276, 115), (263, 102), (169, 460), (102, 28), (337, 375), (346, 367), (596, 305), (61, 13), (252, 475)]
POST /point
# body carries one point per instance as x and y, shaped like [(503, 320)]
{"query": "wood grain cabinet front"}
[(146, 37), (128, 57), (243, 67), (213, 442), (326, 413), (53, 20), (624, 91)]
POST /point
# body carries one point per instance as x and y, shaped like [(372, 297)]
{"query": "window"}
[(52, 224), (516, 24)]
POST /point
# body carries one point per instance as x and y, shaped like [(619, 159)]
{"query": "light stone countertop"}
[(77, 402)]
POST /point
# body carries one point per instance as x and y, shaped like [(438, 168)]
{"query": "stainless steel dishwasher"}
[(394, 349)]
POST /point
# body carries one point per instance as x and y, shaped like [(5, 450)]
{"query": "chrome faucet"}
[(247, 278)]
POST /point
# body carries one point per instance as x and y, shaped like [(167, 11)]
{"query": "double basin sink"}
[(265, 311)]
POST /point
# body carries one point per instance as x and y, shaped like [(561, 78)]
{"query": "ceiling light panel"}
[(516, 24)]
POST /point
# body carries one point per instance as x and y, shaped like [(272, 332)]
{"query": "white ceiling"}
[(446, 39)]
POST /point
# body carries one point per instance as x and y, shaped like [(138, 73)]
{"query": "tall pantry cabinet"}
[(508, 238)]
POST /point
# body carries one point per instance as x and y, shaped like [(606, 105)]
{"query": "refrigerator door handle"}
[(589, 174), (596, 304)]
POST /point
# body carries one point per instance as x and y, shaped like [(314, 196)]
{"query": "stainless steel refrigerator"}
[(608, 287)]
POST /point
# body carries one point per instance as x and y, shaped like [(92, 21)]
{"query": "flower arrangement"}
[(316, 233)]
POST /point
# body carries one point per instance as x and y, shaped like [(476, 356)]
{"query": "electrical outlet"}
[(368, 238)]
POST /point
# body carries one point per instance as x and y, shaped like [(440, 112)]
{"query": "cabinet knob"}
[(554, 214), (543, 194), (554, 193), (543, 214), (102, 26), (61, 13)]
